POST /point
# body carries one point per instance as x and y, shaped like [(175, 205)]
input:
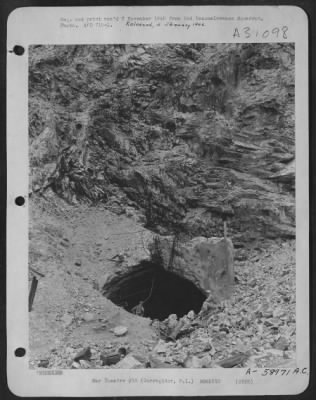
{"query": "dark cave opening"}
[(163, 292)]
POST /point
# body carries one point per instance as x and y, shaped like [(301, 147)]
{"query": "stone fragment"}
[(241, 346), (130, 212), (113, 358), (191, 315), (84, 354), (212, 351), (141, 358), (84, 364), (202, 344), (172, 321), (43, 363), (69, 350), (110, 359), (277, 313), (234, 360), (173, 333), (289, 354), (154, 362), (252, 362), (275, 352), (89, 317), (161, 347), (129, 362), (253, 283), (207, 362), (276, 321), (120, 330), (267, 313), (224, 329), (66, 319), (281, 344), (192, 362)]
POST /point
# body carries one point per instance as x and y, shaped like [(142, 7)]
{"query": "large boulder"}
[(207, 262)]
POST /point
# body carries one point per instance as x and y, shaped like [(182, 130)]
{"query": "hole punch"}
[(18, 50), (20, 352), (20, 201)]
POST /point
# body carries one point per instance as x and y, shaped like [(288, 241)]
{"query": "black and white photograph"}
[(157, 216), (162, 206)]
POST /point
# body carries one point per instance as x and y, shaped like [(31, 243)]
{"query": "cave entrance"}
[(164, 292)]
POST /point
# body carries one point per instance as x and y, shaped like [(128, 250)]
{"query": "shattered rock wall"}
[(186, 134)]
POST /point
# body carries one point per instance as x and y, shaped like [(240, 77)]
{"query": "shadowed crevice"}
[(163, 292)]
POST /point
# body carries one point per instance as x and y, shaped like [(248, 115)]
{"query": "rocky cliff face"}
[(187, 135)]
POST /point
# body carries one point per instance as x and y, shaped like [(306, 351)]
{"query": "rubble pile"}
[(256, 329)]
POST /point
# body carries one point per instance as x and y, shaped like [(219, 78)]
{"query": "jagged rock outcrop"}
[(188, 135), (286, 176)]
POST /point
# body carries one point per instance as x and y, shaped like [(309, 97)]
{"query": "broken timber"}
[(173, 250), (32, 292)]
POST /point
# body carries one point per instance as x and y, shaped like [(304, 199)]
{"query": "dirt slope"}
[(72, 246)]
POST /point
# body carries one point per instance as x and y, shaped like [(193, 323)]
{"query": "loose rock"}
[(89, 317), (84, 354), (120, 330), (43, 364), (129, 362), (161, 347), (281, 344)]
